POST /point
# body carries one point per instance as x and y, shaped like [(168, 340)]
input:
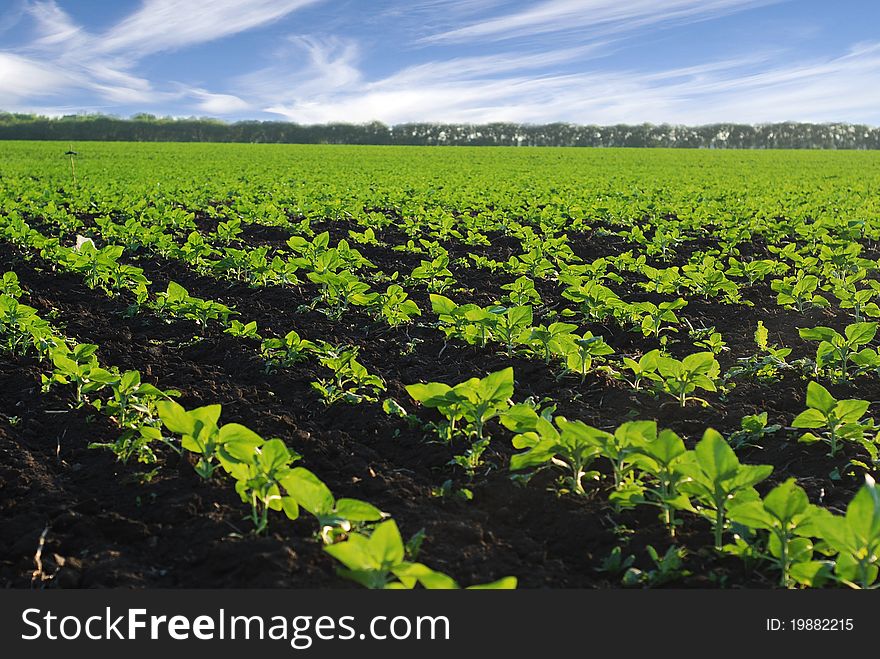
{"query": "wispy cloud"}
[(161, 25), (219, 104), (596, 16), (448, 60), (748, 88), (21, 78), (64, 56)]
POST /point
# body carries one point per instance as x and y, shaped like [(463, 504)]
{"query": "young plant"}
[(579, 352), (177, 302), (132, 406), (681, 378), (379, 562), (9, 285), (753, 428), (551, 339), (202, 436), (715, 478), (510, 325), (791, 522), (340, 290), (838, 420), (836, 350), (336, 517), (657, 318), (571, 445), (658, 456), (350, 380), (260, 469), (766, 364), (242, 330), (435, 274), (396, 307), (855, 537), (667, 567), (643, 369), (287, 351), (798, 292), (80, 367), (475, 400), (521, 292)]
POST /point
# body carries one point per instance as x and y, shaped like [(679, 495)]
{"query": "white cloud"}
[(64, 56), (220, 104), (21, 78), (597, 16), (161, 25), (746, 89)]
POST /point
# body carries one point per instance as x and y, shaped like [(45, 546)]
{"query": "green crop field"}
[(398, 367)]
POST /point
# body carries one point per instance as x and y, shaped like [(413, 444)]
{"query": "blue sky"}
[(533, 61)]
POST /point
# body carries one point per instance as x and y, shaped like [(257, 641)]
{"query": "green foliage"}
[(476, 401), (835, 351), (717, 480), (378, 561), (791, 522), (287, 351), (836, 420), (681, 378), (349, 380), (176, 302), (855, 537)]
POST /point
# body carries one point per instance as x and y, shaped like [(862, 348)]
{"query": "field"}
[(322, 366)]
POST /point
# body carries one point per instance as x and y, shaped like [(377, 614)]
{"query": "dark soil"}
[(108, 528)]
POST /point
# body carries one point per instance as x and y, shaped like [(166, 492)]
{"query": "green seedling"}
[(571, 445), (350, 380), (80, 367), (753, 428), (791, 522), (336, 517), (836, 350), (379, 562), (475, 400), (837, 420), (681, 378), (855, 537), (667, 568), (287, 351), (396, 307), (715, 478), (243, 330)]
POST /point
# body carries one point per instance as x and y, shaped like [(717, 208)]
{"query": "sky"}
[(468, 61)]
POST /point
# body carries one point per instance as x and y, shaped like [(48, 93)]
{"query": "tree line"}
[(149, 128)]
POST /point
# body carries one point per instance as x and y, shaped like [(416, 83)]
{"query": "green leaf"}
[(715, 456), (700, 362), (818, 334), (432, 394), (819, 399), (355, 510), (850, 411), (505, 583), (861, 333), (174, 417), (310, 491), (863, 514), (442, 305), (751, 514), (496, 387), (786, 500), (386, 544), (809, 419)]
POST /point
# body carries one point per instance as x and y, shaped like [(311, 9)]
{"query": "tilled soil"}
[(107, 524)]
